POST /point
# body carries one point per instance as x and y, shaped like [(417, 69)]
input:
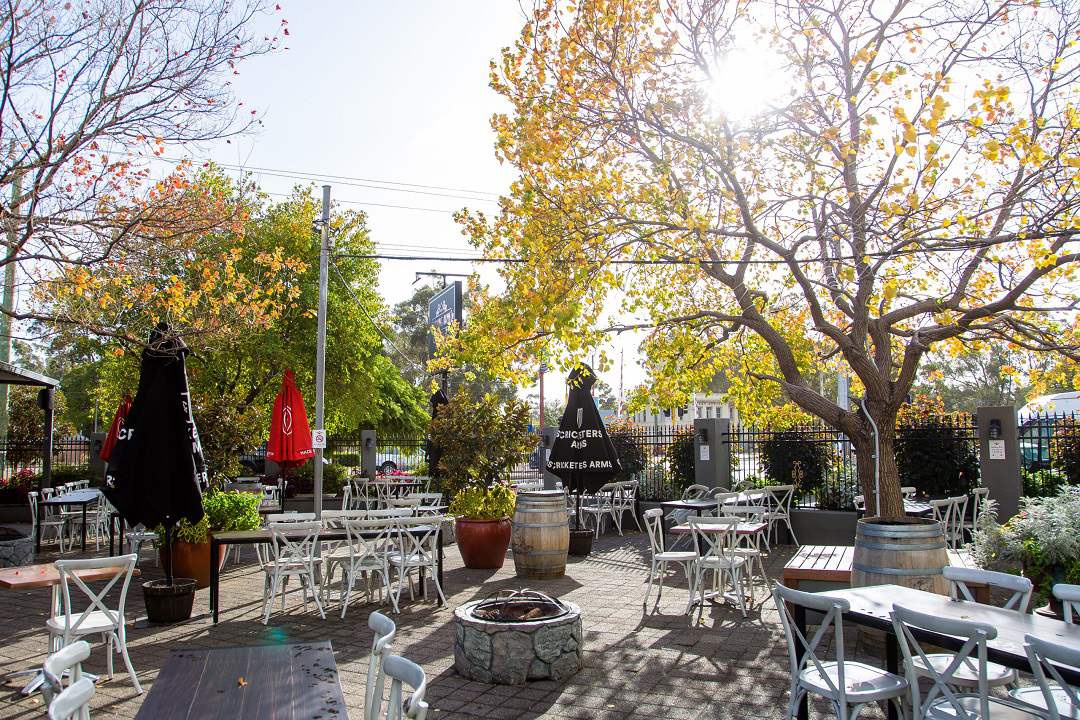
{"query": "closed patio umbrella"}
[(582, 454), (156, 467), (116, 427), (290, 435)]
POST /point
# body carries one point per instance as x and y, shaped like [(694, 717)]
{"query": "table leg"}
[(84, 527), (800, 624), (215, 549), (892, 664)]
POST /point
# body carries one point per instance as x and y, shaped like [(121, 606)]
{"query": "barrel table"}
[(900, 551), (541, 534)]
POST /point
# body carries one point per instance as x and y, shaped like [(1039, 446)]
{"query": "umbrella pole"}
[(168, 554)]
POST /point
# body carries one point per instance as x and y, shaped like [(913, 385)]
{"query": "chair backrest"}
[(429, 499), (833, 610), (942, 510), (411, 542), (1043, 654), (406, 502), (971, 655), (290, 517), (295, 542), (346, 496), (47, 493), (960, 503), (693, 492), (779, 498), (722, 498), (908, 491), (384, 630), (654, 526), (608, 489), (628, 492), (714, 544), (959, 577), (32, 498), (69, 569), (859, 501), (74, 701), (1069, 595), (403, 671), (69, 657), (389, 513), (380, 536)]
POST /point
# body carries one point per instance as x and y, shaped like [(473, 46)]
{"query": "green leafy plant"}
[(630, 451), (933, 455), (482, 439), (1038, 483), (482, 503), (790, 457), (223, 512), (680, 460)]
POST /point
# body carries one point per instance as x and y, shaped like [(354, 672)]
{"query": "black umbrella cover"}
[(583, 454), (157, 466), (434, 451)]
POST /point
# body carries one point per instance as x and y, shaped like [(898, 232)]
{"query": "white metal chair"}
[(779, 499), (908, 491), (294, 556), (942, 701), (404, 672), (654, 526), (288, 517), (1052, 695), (385, 630), (73, 701), (717, 554), (360, 556), (956, 525), (97, 618), (849, 686), (1069, 595), (942, 511), (679, 515), (67, 660), (136, 537), (417, 548), (859, 501), (602, 504), (626, 501), (966, 675), (55, 523)]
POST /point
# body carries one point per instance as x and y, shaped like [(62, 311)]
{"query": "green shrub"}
[(933, 456), (347, 459), (223, 512), (792, 458), (631, 453), (73, 473), (680, 461), (481, 503), (1040, 483), (333, 478)]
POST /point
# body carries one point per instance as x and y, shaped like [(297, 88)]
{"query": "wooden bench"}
[(832, 564)]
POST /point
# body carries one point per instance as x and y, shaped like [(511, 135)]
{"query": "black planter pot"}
[(580, 543), (169, 603)]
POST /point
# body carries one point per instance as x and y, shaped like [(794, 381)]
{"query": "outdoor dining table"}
[(871, 607), (264, 536), (75, 498), (257, 682), (29, 577)]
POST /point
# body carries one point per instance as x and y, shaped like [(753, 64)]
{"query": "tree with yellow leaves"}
[(915, 182)]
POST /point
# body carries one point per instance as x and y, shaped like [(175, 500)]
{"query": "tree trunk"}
[(888, 480)]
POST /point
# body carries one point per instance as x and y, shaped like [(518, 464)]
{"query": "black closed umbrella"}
[(582, 455), (156, 470), (433, 450)]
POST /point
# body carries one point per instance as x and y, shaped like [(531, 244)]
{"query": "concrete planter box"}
[(15, 514), (824, 527)]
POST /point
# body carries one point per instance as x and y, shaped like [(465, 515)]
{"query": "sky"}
[(389, 92)]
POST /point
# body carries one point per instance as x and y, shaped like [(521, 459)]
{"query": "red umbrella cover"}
[(116, 428), (290, 435)]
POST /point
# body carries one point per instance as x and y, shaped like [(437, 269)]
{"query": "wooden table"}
[(870, 606), (29, 577), (832, 563), (260, 682), (250, 537), (78, 497)]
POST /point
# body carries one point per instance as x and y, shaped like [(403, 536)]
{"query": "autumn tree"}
[(88, 92), (912, 186)]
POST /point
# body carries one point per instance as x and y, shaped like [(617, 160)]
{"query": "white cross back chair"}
[(404, 672), (626, 501), (1069, 595), (50, 522), (849, 686), (778, 501), (717, 554), (294, 546), (365, 557), (943, 700), (97, 618), (658, 562), (603, 504), (1051, 695), (417, 549), (68, 660), (73, 701), (384, 631)]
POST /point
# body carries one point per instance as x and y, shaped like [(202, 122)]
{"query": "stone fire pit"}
[(16, 548), (511, 652)]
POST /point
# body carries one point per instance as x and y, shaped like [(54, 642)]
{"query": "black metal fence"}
[(660, 458), (25, 457), (1049, 452)]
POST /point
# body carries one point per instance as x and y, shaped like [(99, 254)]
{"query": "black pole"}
[(168, 553), (46, 401)]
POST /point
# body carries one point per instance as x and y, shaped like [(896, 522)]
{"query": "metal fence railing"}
[(20, 456), (1049, 452)]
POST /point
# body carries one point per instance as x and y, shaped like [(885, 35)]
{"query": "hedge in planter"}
[(792, 458), (934, 455)]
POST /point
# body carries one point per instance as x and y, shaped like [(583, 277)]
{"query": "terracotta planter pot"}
[(483, 543), (192, 560)]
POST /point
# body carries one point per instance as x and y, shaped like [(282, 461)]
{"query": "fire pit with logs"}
[(516, 636)]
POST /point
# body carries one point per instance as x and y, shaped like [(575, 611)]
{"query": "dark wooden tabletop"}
[(76, 497), (872, 605), (287, 682)]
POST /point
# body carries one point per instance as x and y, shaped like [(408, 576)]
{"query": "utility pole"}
[(8, 300), (320, 344)]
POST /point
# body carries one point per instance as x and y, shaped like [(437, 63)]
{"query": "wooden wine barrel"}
[(541, 534), (909, 552)]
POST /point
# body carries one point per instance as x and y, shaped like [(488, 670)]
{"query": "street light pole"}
[(320, 344)]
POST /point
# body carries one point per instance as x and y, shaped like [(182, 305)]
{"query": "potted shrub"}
[(481, 439), (482, 523), (224, 511), (1042, 541)]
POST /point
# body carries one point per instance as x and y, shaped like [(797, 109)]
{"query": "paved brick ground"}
[(637, 665)]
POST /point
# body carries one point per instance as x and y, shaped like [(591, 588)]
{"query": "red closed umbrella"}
[(116, 428), (290, 435)]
